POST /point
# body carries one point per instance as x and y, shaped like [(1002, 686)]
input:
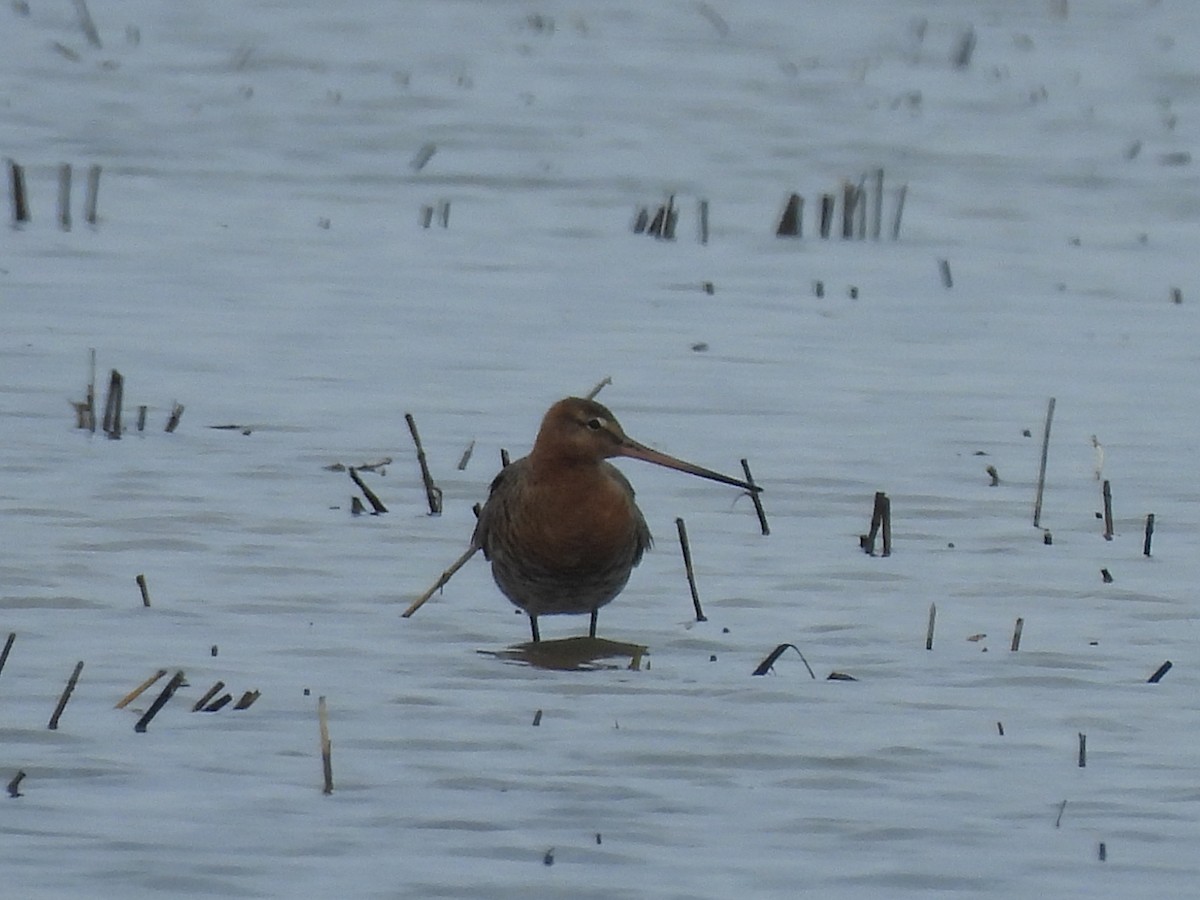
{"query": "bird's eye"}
[(595, 424)]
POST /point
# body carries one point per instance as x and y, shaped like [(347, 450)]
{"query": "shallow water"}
[(260, 259)]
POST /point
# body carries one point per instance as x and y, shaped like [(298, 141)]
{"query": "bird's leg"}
[(533, 627), (592, 626)]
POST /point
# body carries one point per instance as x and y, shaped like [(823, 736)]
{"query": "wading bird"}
[(560, 526)]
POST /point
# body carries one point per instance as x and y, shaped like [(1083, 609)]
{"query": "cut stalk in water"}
[(441, 582), (756, 500), (433, 494), (687, 565), (66, 695), (137, 691), (159, 702), (1041, 484), (326, 745)]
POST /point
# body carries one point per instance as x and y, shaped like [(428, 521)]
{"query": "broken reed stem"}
[(765, 666), (90, 399), (703, 217), (326, 745), (7, 647), (826, 221), (14, 786), (91, 195), (1082, 750), (433, 493), (877, 221), (247, 700), (850, 198), (867, 541), (141, 420), (20, 204), (137, 691), (901, 195), (504, 460), (141, 583), (944, 269), (687, 565), (1159, 673), (466, 457), (219, 704), (1017, 629), (790, 222), (600, 385), (758, 507), (887, 525), (1108, 518), (66, 695), (367, 492), (208, 695), (64, 196), (160, 701), (1041, 485), (1062, 807), (1149, 534), (174, 417), (440, 583), (87, 23), (112, 405), (929, 630)]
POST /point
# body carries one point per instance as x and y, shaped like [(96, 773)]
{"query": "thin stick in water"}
[(92, 195), (1159, 673), (944, 269), (66, 695), (687, 565), (929, 630), (901, 195), (466, 457), (208, 695), (1062, 807), (887, 525), (433, 494), (375, 502), (159, 702), (756, 500), (247, 700), (790, 221), (112, 405), (600, 385), (14, 786), (877, 221), (87, 23), (326, 744), (826, 220), (174, 417), (1149, 534), (441, 582), (1017, 629), (64, 196), (1108, 517), (1041, 485), (1082, 750), (766, 665), (137, 691), (141, 583), (7, 647), (703, 216), (16, 180), (90, 424)]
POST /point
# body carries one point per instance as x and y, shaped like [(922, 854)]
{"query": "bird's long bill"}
[(634, 450)]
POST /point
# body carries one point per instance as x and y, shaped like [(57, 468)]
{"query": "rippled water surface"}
[(260, 258)]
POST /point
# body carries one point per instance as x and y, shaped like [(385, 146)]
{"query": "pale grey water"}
[(230, 134)]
